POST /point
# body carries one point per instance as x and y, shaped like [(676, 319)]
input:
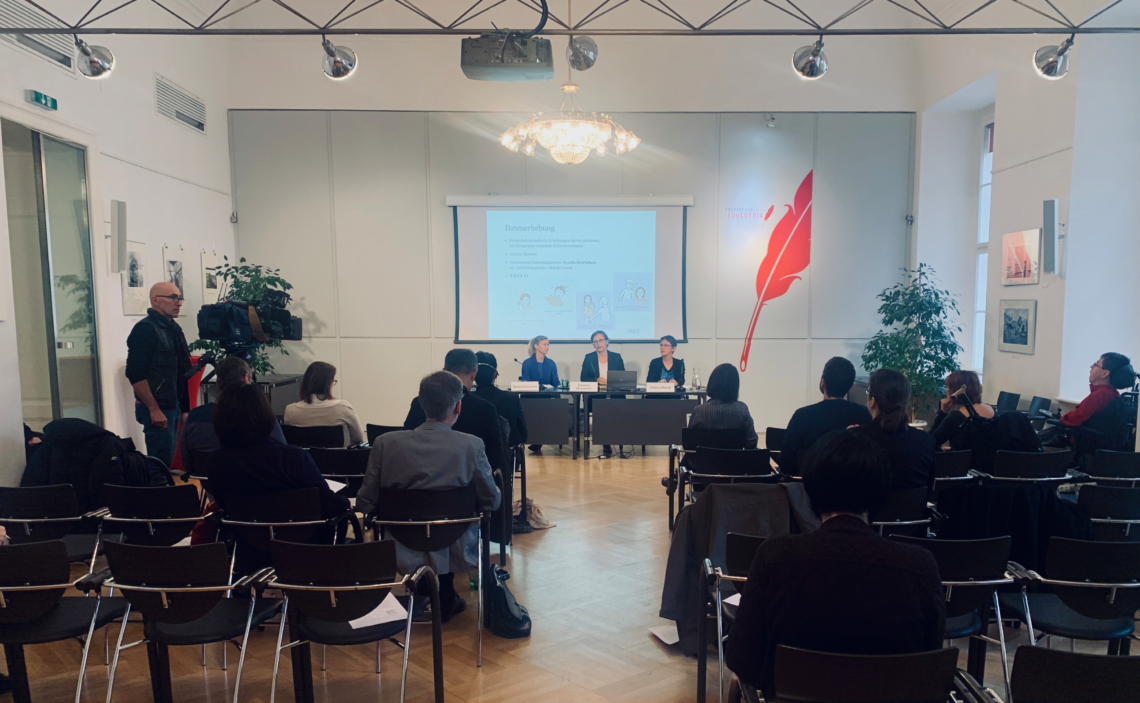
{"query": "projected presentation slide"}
[(566, 272)]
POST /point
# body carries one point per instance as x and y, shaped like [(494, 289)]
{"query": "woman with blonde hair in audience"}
[(319, 408)]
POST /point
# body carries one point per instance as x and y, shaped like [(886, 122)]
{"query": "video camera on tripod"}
[(242, 327)]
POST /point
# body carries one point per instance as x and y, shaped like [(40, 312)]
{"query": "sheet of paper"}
[(335, 486), (734, 599), (666, 633), (389, 610)]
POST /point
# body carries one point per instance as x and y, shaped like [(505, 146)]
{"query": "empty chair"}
[(952, 467), (1094, 593), (691, 438), (1113, 512), (1043, 675), (343, 465), (1007, 402), (1115, 468), (971, 572), (1030, 466), (374, 431), (1038, 408), (803, 676), (33, 578), (774, 438), (181, 594), (903, 513), (292, 516), (711, 465), (739, 552), (330, 436), (41, 513), (157, 517)]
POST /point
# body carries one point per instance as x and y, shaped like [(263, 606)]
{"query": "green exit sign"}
[(45, 101)]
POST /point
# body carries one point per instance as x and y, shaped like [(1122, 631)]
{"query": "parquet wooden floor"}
[(592, 585)]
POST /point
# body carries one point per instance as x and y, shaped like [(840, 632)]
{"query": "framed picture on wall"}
[(1018, 326), (1021, 258)]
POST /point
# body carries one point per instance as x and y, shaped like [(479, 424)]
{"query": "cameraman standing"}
[(157, 361)]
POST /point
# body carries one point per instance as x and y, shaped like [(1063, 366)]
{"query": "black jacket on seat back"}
[(79, 453)]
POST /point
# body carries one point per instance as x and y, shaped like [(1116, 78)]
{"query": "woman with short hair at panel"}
[(538, 366), (723, 410), (319, 408), (909, 451), (596, 367), (953, 422), (666, 368)]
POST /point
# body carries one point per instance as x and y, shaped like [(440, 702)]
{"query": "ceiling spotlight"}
[(810, 61), (340, 62), (1052, 62), (581, 53), (95, 62)]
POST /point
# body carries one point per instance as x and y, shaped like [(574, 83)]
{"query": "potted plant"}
[(919, 339), (248, 283)]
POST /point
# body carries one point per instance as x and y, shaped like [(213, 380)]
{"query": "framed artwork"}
[(136, 287), (1018, 326), (172, 267), (210, 282), (1021, 258)]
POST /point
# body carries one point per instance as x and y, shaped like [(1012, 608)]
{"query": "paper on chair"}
[(389, 610), (734, 599), (335, 486), (666, 633)]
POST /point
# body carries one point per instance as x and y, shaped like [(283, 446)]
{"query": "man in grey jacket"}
[(433, 456)]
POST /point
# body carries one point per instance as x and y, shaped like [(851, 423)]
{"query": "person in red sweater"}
[(1110, 372)]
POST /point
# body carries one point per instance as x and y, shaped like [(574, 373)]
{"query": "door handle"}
[(64, 345)]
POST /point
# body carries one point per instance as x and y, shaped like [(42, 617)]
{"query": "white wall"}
[(176, 183)]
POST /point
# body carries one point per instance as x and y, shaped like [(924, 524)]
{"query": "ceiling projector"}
[(507, 57)]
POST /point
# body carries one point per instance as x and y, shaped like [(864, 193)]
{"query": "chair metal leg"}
[(377, 657), (324, 654), (244, 644), (479, 653), (225, 657), (107, 645), (203, 656), (407, 649), (86, 649), (1028, 617), (277, 652), (118, 648), (1001, 643), (18, 672), (720, 645)]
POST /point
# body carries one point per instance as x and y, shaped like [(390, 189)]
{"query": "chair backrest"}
[(199, 462), (739, 553), (774, 438), (733, 462), (344, 565), (1108, 503), (275, 515), (1043, 675), (158, 503), (38, 564), (902, 506), (315, 436), (1095, 562), (966, 560), (1007, 402), (57, 505), (1038, 404), (1031, 465), (803, 676), (422, 505), (374, 431), (203, 565), (693, 437), (1122, 465), (952, 464), (345, 465)]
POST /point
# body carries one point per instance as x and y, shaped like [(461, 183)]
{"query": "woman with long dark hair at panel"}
[(319, 408), (666, 368), (538, 366), (909, 450), (723, 410), (953, 422), (597, 366)]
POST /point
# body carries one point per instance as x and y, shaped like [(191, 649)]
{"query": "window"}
[(983, 245)]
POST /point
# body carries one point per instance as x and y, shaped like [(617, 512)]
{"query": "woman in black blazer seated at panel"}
[(665, 368), (909, 451), (507, 403), (597, 366)]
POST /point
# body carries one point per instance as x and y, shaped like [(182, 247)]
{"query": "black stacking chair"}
[(1043, 675), (427, 520), (739, 553), (1030, 467), (157, 517), (326, 588), (374, 431), (972, 571), (1113, 512), (198, 469), (774, 440), (951, 469), (1094, 593), (33, 578), (343, 465), (181, 594), (691, 438), (330, 436), (1110, 468), (711, 465), (1007, 402), (42, 513), (1037, 406), (904, 513), (803, 676)]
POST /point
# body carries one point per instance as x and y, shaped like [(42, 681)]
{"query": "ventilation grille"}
[(57, 49), (177, 104)]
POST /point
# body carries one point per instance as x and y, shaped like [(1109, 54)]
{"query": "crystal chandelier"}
[(570, 134)]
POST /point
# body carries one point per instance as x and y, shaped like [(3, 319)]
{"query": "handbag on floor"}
[(505, 617)]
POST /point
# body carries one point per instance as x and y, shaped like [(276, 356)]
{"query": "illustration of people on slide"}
[(588, 308), (555, 298), (633, 291), (602, 314), (524, 302), (627, 292), (639, 294)]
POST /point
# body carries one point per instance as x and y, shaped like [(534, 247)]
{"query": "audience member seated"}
[(318, 407), (843, 588), (832, 413), (953, 422), (507, 403), (479, 417), (250, 463), (434, 456), (198, 430), (909, 451), (723, 410), (1110, 372)]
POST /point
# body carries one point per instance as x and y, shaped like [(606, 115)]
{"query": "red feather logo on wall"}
[(789, 253)]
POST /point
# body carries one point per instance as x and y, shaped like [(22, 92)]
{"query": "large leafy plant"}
[(247, 283), (919, 340)]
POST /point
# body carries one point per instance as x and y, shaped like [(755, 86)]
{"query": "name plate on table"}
[(659, 387), (584, 386), (524, 386)]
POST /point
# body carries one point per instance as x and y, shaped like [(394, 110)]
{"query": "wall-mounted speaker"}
[(119, 233), (1049, 236)]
